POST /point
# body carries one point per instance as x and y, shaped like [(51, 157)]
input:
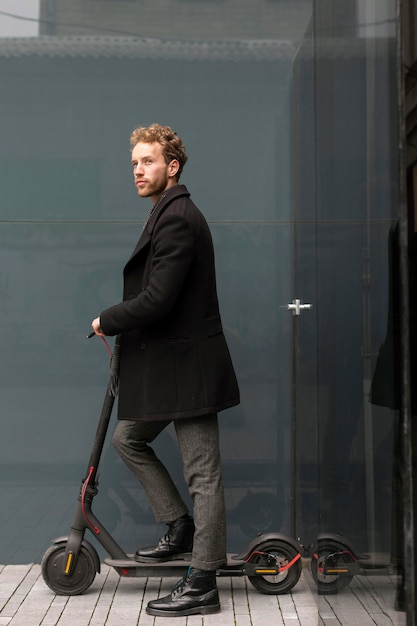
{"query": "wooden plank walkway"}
[(25, 600)]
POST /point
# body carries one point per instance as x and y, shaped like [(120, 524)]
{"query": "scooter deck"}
[(130, 567)]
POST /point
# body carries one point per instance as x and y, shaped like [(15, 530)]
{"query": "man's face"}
[(152, 175)]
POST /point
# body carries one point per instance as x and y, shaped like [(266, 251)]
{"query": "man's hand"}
[(96, 327)]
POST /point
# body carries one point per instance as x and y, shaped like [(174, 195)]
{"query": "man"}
[(174, 366)]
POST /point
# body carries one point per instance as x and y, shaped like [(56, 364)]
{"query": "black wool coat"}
[(174, 360)]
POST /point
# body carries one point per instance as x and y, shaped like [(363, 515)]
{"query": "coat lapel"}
[(146, 236), (144, 239)]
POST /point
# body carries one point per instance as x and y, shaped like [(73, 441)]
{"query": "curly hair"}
[(172, 145)]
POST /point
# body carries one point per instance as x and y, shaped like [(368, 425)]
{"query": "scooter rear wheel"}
[(282, 553), (52, 567)]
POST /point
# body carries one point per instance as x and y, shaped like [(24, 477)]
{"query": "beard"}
[(154, 187)]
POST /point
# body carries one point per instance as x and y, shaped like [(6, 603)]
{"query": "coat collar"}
[(172, 194)]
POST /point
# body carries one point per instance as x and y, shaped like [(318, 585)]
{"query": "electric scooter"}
[(271, 562)]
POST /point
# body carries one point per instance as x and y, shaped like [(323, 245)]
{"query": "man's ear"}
[(173, 168)]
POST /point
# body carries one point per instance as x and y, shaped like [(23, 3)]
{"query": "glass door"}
[(346, 410)]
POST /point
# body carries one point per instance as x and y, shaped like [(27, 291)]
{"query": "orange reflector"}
[(69, 562), (337, 571)]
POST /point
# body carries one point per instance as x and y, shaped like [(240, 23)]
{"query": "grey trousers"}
[(198, 440)]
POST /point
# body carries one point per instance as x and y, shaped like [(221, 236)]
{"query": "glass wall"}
[(346, 358), (288, 112), (71, 217)]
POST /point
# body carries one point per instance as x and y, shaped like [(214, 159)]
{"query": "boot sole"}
[(202, 610)]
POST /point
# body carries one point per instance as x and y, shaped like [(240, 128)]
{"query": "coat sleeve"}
[(172, 250)]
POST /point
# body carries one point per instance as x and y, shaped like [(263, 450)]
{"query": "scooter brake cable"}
[(107, 347), (88, 478), (83, 496), (93, 334)]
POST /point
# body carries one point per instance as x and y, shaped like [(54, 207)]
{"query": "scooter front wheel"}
[(282, 554), (52, 567)]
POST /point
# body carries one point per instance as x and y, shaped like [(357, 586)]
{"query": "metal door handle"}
[(296, 307)]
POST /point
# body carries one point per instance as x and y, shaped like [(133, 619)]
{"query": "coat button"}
[(143, 346)]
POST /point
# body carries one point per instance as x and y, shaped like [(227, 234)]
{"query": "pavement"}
[(25, 600)]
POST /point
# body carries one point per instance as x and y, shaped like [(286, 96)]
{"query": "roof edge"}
[(145, 48)]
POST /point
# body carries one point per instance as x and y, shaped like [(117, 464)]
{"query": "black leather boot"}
[(176, 544), (193, 594)]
